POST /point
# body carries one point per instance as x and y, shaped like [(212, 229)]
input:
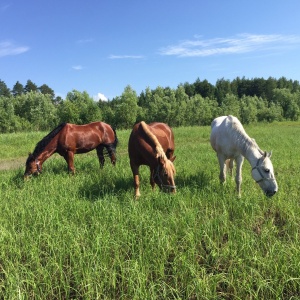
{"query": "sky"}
[(102, 46)]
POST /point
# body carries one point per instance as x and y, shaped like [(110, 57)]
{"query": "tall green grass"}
[(85, 237)]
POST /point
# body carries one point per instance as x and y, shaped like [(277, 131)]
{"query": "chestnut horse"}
[(69, 139), (153, 145)]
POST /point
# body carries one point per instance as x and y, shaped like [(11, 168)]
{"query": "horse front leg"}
[(238, 177), (100, 155), (152, 182)]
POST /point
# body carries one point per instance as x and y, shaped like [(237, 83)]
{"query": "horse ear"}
[(172, 158), (267, 154)]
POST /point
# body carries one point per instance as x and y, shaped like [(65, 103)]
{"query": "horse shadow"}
[(199, 180), (104, 187)]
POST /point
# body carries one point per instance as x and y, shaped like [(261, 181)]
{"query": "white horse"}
[(231, 142)]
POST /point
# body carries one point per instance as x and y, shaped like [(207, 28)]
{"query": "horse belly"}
[(222, 144)]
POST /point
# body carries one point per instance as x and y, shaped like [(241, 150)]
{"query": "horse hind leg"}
[(136, 179), (229, 166), (69, 158), (222, 163), (100, 155)]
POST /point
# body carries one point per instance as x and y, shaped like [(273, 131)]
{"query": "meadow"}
[(85, 237)]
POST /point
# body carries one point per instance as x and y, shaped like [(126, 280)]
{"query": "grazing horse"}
[(69, 139), (231, 142), (153, 145)]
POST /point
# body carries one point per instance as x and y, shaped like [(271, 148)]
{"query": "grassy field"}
[(85, 237)]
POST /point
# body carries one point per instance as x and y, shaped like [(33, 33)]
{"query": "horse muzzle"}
[(168, 188), (270, 193)]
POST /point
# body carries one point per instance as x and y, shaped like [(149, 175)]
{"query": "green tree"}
[(288, 102), (4, 90), (231, 106), (30, 87), (182, 98), (18, 89), (222, 89), (248, 109), (126, 109), (79, 108), (36, 109), (46, 90)]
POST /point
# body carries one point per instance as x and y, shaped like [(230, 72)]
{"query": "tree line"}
[(29, 107)]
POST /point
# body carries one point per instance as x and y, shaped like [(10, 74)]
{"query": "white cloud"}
[(125, 56), (101, 97), (77, 68), (241, 43), (8, 48)]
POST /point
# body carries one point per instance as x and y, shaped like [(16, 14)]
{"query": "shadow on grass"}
[(199, 180), (104, 187)]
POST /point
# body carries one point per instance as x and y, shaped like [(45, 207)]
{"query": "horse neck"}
[(47, 151), (248, 147)]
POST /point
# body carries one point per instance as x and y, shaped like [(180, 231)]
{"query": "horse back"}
[(223, 136), (140, 146), (84, 138), (164, 135)]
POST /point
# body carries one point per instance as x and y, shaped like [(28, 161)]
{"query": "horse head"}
[(263, 174), (165, 173), (32, 166)]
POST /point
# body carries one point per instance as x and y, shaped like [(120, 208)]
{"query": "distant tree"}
[(179, 115), (36, 109), (288, 102), (79, 108), (18, 89), (46, 90), (126, 108), (231, 106), (57, 100), (222, 89), (204, 88), (270, 86), (248, 109), (189, 89), (30, 87), (4, 90)]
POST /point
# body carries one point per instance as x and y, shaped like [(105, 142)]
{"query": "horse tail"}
[(111, 148), (158, 148), (116, 141)]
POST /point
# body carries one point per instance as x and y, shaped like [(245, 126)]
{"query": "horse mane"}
[(158, 148), (245, 142), (40, 146)]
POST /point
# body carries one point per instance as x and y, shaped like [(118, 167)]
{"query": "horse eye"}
[(267, 170)]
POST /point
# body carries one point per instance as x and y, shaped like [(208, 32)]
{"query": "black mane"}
[(40, 146)]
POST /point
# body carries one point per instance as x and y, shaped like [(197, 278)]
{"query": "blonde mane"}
[(158, 148)]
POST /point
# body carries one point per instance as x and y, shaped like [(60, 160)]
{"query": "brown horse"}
[(153, 145), (69, 139)]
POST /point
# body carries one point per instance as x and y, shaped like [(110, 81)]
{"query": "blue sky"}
[(101, 46)]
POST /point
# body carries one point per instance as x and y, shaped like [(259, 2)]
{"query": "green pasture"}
[(85, 237)]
